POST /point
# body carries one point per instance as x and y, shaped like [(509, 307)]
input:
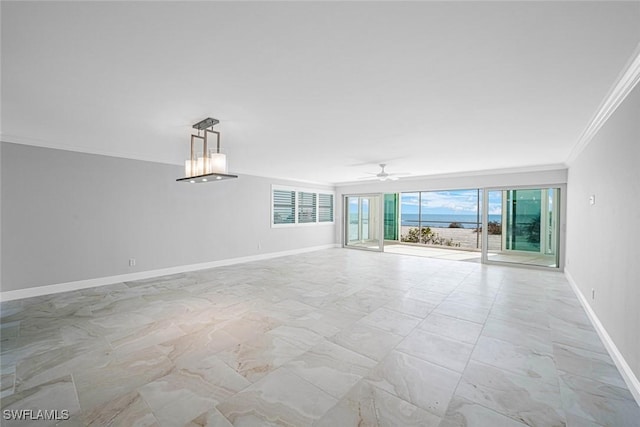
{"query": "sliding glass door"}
[(363, 222), (523, 226)]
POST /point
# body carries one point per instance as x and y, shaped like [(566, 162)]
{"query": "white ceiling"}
[(315, 91)]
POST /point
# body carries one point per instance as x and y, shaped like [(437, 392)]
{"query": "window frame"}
[(296, 191)]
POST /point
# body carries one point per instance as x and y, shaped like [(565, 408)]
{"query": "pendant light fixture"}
[(208, 165)]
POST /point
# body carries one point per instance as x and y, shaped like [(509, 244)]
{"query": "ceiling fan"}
[(384, 175)]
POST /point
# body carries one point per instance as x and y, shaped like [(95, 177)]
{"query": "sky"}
[(456, 202)]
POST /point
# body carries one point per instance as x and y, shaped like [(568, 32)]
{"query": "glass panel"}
[(527, 231), (494, 221), (364, 218), (364, 222), (390, 217), (409, 211), (353, 213), (450, 219), (524, 211)]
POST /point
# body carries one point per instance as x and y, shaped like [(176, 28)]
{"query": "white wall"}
[(603, 240), (69, 216)]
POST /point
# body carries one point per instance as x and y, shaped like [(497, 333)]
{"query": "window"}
[(325, 208), (307, 207), (294, 206), (284, 207)]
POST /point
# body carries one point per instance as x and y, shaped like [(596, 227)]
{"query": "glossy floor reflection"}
[(331, 338)]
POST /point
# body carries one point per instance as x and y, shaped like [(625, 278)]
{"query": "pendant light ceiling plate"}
[(206, 123)]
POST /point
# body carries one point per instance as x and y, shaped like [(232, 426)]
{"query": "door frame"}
[(561, 226), (345, 222)]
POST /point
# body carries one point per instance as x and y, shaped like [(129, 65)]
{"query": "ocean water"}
[(443, 220), (437, 220)]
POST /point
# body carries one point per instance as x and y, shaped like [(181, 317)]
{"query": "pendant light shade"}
[(208, 165)]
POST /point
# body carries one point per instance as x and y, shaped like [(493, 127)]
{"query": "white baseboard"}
[(101, 281), (621, 363)]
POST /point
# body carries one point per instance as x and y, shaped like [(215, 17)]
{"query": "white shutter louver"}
[(284, 207), (325, 208), (307, 207)]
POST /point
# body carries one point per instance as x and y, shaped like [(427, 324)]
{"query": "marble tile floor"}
[(336, 337), (469, 255)]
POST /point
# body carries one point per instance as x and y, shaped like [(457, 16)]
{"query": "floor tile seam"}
[(490, 409), (556, 377), (175, 371), (375, 327), (383, 391), (417, 327), (364, 355), (422, 359), (75, 390), (12, 389), (501, 305), (484, 324), (21, 359), (71, 369), (515, 374), (243, 388), (457, 317), (470, 294), (413, 356), (466, 305), (534, 351), (395, 311), (151, 411), (600, 383), (389, 332), (603, 352), (297, 343), (291, 371), (586, 327), (406, 314), (517, 321), (607, 356), (510, 416), (234, 369), (375, 362)]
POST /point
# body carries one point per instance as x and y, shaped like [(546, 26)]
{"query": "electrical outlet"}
[(592, 199), (132, 262)]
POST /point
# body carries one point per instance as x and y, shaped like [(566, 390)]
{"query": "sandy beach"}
[(467, 238)]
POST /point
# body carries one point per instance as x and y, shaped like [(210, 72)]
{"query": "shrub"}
[(494, 227), (455, 224), (425, 236)]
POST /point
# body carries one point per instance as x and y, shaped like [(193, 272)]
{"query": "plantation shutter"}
[(307, 207), (284, 207), (325, 208)]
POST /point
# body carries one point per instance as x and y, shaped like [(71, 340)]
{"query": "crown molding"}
[(464, 174), (627, 80)]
